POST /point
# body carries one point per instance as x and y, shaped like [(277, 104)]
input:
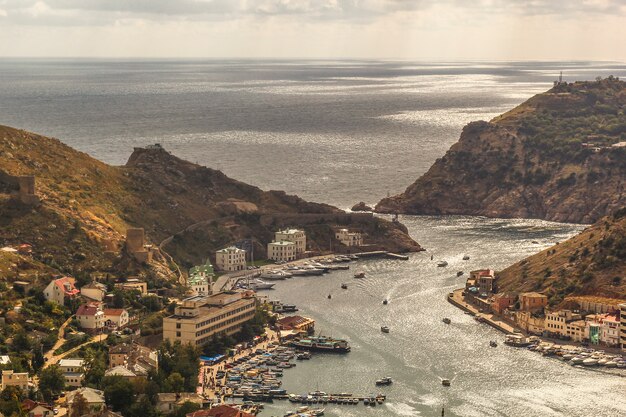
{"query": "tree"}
[(21, 342), (118, 299), (10, 401), (176, 382), (186, 408), (119, 392), (80, 406), (51, 381), (95, 366)]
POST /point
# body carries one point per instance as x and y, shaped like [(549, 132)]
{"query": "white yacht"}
[(442, 263), (257, 284), (276, 274)]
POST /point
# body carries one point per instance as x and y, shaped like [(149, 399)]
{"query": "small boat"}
[(447, 320), (466, 257), (445, 382), (590, 362), (534, 242), (384, 329), (344, 286), (329, 296), (458, 274), (359, 275), (384, 381), (441, 264), (303, 356), (493, 343), (385, 302)]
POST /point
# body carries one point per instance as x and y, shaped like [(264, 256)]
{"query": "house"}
[(170, 401), (15, 379), (134, 357), (607, 327), (122, 371), (297, 323), (37, 409), (61, 289), (282, 250), (296, 236), (223, 410), (577, 330), (73, 371), (94, 291), (90, 316), (231, 259), (349, 238), (533, 301), (94, 398), (133, 284), (502, 301), (116, 317), (530, 322), (484, 279)]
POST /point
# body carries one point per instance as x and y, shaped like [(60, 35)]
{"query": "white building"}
[(60, 289), (231, 259), (90, 317), (116, 317), (73, 371), (349, 238), (292, 235), (622, 325), (15, 379), (94, 290), (281, 251)]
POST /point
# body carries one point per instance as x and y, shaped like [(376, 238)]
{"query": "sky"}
[(374, 29)]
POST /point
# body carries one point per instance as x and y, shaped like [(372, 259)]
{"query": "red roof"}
[(29, 404), (87, 310), (61, 283), (113, 311), (220, 411)]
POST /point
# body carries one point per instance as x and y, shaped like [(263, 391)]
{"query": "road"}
[(60, 340), (55, 359)]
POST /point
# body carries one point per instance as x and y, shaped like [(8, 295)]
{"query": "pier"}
[(382, 254)]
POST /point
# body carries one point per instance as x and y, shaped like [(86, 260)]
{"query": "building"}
[(37, 409), (198, 318), (223, 410), (61, 289), (133, 284), (15, 379), (90, 316), (607, 327), (167, 402), (533, 301), (530, 322), (293, 235), (282, 250), (349, 238), (297, 323), (73, 371), (116, 317), (94, 398), (123, 372), (231, 259), (557, 321), (502, 301), (200, 278), (94, 291), (577, 330), (484, 279), (138, 359), (622, 325)]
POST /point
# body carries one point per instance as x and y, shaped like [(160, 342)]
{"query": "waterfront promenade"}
[(456, 298)]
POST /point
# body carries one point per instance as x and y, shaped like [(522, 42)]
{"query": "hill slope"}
[(590, 263), (87, 205), (553, 157)]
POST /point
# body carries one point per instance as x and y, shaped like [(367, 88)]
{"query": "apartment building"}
[(296, 236), (283, 250), (231, 259)]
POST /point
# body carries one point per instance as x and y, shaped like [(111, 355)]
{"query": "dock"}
[(382, 254)]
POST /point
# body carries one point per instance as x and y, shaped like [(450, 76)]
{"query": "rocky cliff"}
[(591, 263), (77, 218), (559, 156)]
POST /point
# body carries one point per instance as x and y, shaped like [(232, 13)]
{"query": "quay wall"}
[(289, 219)]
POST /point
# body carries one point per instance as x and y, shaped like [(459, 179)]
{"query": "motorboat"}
[(384, 381), (385, 302), (344, 286), (577, 360), (384, 329), (276, 274), (590, 362), (311, 270), (359, 275), (445, 382), (329, 296), (257, 284), (493, 343), (466, 257), (458, 274), (441, 264), (303, 356), (447, 320)]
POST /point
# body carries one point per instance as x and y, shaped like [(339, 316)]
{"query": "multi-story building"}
[(94, 291), (533, 301), (116, 317), (577, 330), (281, 251), (293, 235), (198, 318), (349, 238), (137, 358), (133, 284), (90, 316), (15, 379), (231, 259), (61, 289), (622, 326), (502, 301), (604, 328), (557, 321), (73, 371)]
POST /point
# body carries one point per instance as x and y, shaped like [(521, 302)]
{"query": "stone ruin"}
[(136, 245)]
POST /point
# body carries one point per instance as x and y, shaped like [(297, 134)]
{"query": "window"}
[(177, 334)]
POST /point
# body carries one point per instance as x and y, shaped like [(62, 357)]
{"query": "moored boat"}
[(322, 344), (359, 275), (384, 329), (442, 264), (447, 320), (384, 381)]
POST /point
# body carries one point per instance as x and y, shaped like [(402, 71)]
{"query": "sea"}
[(340, 132)]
